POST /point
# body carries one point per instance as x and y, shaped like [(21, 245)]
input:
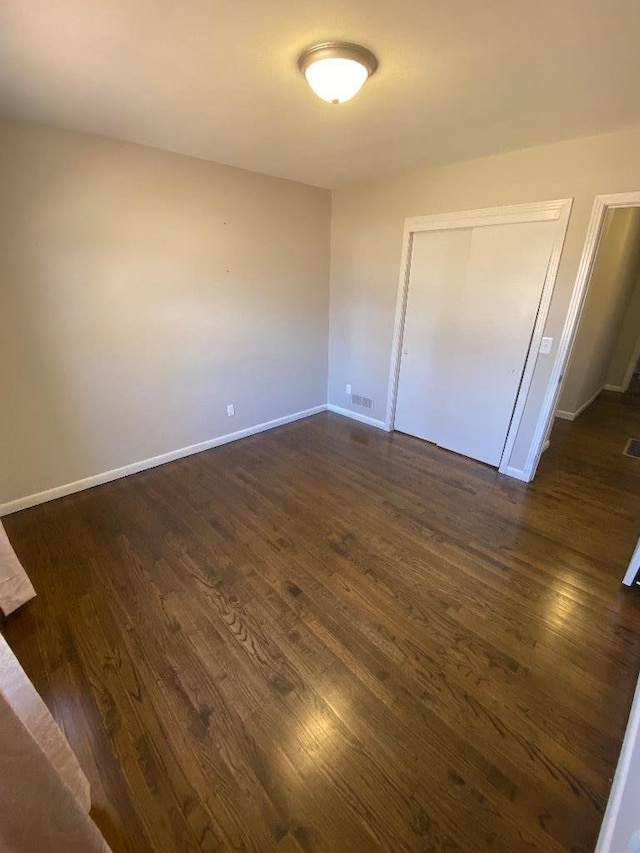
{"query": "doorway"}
[(602, 336), (473, 301), (605, 353)]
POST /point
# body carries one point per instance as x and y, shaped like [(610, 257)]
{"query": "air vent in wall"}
[(363, 402)]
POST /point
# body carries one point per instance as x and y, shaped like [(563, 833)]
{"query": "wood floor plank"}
[(329, 638)]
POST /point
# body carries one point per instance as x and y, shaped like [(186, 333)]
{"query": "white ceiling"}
[(218, 78)]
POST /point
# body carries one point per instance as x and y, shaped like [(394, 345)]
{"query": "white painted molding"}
[(631, 742), (633, 363), (571, 416), (356, 416), (558, 209), (398, 328), (546, 445), (540, 433), (617, 388), (574, 313), (516, 473), (535, 211), (153, 462), (634, 567)]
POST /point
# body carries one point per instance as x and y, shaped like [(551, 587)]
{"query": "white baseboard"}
[(565, 416), (519, 473), (356, 416), (622, 795), (571, 416), (516, 473), (153, 462), (618, 388)]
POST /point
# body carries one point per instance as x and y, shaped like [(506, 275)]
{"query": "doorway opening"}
[(597, 417), (606, 346)]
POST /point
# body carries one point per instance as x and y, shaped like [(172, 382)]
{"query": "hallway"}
[(586, 462)]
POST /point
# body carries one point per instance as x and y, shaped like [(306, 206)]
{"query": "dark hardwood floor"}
[(327, 638)]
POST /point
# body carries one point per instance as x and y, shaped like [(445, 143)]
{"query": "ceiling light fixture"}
[(336, 71)]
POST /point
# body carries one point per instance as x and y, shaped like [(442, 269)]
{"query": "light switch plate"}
[(545, 346)]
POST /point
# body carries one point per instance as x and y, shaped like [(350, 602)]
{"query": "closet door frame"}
[(557, 210)]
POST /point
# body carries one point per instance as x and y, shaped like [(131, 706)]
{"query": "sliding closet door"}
[(472, 303), (438, 271)]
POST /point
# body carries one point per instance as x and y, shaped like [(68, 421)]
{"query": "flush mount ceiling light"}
[(336, 71)]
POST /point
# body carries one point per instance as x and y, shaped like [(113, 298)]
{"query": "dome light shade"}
[(336, 71), (336, 80)]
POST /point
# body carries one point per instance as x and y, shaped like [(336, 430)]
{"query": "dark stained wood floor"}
[(327, 638)]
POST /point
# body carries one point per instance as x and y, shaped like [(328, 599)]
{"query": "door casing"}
[(558, 210)]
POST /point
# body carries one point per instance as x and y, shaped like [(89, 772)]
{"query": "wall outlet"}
[(348, 389), (231, 410)]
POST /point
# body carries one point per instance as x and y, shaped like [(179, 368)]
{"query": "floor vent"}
[(363, 402), (633, 448)]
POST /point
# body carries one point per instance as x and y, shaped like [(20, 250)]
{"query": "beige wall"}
[(615, 271), (142, 291), (367, 228), (626, 347)]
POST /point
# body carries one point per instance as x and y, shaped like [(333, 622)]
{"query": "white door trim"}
[(574, 314), (634, 566), (622, 790), (509, 214), (628, 376)]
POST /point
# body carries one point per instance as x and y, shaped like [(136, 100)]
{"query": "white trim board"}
[(576, 305), (153, 462), (630, 745), (356, 416), (633, 363), (559, 210), (571, 416), (516, 473), (634, 566)]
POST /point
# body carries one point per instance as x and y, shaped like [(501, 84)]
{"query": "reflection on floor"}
[(327, 638)]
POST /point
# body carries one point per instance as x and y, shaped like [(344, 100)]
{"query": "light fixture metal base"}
[(338, 50)]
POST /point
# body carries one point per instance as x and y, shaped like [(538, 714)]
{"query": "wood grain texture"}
[(329, 638)]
